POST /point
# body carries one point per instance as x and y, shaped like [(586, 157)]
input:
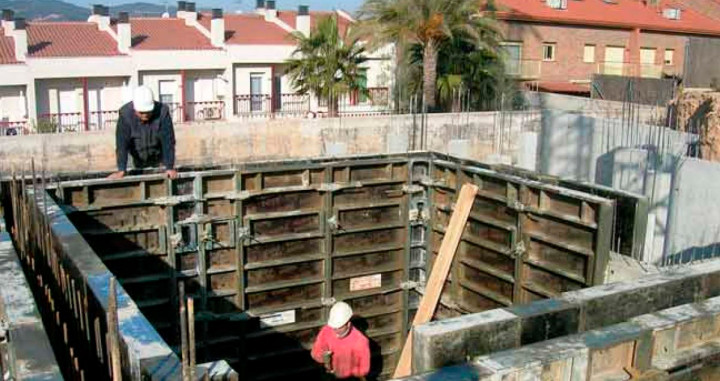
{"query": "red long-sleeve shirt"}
[(351, 354)]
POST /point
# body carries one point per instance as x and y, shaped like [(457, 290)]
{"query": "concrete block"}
[(452, 341), (546, 319), (614, 303)]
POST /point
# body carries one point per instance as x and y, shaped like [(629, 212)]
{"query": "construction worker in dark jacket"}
[(145, 132)]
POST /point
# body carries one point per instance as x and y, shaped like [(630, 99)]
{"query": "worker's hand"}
[(116, 175), (171, 173)]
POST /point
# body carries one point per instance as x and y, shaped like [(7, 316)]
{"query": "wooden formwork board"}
[(524, 240), (264, 250)]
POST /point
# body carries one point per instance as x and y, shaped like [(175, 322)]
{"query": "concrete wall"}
[(595, 107), (453, 341), (702, 65), (647, 160), (478, 136), (695, 212)]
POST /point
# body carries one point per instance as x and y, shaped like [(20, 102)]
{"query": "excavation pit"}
[(265, 248)]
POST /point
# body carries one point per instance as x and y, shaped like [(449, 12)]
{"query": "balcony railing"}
[(60, 122), (103, 120), (630, 69), (523, 69), (293, 105), (204, 111), (253, 105), (8, 128)]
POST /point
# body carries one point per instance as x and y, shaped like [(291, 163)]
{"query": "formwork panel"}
[(266, 248)]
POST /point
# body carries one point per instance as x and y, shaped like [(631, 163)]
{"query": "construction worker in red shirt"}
[(342, 348)]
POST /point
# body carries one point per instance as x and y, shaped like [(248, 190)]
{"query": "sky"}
[(234, 5)]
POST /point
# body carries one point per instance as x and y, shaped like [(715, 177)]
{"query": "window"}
[(513, 54), (589, 53), (671, 13), (557, 4), (548, 52), (256, 93), (669, 54), (166, 93)]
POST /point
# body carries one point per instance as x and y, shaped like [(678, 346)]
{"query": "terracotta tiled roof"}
[(69, 39), (166, 34), (610, 13), (7, 49), (252, 29)]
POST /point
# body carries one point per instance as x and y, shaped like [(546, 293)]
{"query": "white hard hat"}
[(143, 99), (340, 314)]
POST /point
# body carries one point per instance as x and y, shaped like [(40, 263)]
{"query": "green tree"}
[(429, 24), (327, 64)]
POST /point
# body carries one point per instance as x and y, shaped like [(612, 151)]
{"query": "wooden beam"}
[(439, 272)]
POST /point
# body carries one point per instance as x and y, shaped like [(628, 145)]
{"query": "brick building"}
[(559, 45)]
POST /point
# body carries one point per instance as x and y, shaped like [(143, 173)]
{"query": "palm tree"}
[(429, 23), (326, 63)]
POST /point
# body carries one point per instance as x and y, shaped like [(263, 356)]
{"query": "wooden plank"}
[(439, 272)]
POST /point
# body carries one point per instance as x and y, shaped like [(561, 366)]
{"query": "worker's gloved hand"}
[(116, 175), (327, 361), (171, 173)]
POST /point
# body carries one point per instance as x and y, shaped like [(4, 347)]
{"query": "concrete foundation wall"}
[(475, 136), (597, 108), (637, 158), (453, 341), (669, 344)]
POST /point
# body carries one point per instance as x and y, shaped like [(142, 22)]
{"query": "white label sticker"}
[(277, 318), (365, 282)]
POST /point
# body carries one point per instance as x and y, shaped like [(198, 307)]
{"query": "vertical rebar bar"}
[(191, 335), (183, 332), (112, 323)]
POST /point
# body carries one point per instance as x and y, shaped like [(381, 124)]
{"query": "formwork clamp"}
[(519, 250), (244, 233), (409, 285), (327, 302), (412, 189)]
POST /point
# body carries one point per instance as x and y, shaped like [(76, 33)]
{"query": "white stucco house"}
[(73, 76)]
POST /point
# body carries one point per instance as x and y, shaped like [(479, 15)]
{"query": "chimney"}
[(270, 11), (190, 14), (101, 17), (302, 22), (21, 41), (260, 7), (217, 28), (8, 21), (124, 33), (181, 5)]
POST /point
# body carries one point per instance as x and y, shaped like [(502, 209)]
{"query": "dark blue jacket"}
[(150, 144)]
